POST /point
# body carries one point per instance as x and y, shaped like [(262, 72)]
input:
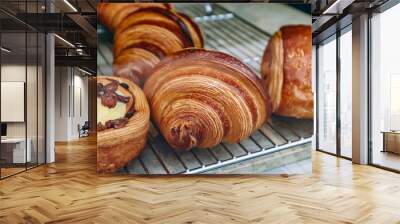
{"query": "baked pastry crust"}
[(286, 69), (148, 35), (199, 98), (117, 145), (112, 14)]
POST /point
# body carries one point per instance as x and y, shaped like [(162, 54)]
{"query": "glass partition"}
[(22, 76), (13, 94)]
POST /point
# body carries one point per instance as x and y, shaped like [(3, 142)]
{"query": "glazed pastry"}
[(123, 114), (111, 14), (286, 69), (199, 98), (148, 35)]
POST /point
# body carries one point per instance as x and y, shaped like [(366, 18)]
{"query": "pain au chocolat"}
[(147, 36), (122, 122), (111, 14), (199, 98), (286, 69)]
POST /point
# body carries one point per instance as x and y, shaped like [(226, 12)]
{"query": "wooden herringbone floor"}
[(70, 191)]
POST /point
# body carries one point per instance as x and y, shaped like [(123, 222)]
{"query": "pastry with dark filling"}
[(146, 36), (199, 98), (286, 69), (122, 122)]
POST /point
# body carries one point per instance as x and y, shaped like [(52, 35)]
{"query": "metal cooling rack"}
[(226, 32)]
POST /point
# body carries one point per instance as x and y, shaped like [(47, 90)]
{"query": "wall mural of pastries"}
[(204, 88)]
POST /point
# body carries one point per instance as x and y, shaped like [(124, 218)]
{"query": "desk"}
[(391, 141), (13, 150)]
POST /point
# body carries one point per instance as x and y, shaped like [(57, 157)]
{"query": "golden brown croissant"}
[(111, 14), (122, 114), (199, 98), (286, 69), (148, 35)]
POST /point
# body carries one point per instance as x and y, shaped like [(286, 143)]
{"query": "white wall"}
[(12, 73), (34, 125), (61, 103), (80, 110), (71, 94)]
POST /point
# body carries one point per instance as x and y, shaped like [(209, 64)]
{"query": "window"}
[(346, 93), (385, 89), (327, 96)]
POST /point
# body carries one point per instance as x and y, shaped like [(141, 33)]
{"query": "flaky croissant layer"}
[(199, 98), (112, 14), (148, 35), (286, 69)]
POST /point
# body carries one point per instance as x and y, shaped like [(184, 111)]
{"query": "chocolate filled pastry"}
[(111, 14), (199, 98), (122, 122), (148, 35), (286, 69)]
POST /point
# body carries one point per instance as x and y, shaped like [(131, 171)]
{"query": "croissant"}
[(148, 35), (111, 14), (122, 113), (199, 98), (286, 69)]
